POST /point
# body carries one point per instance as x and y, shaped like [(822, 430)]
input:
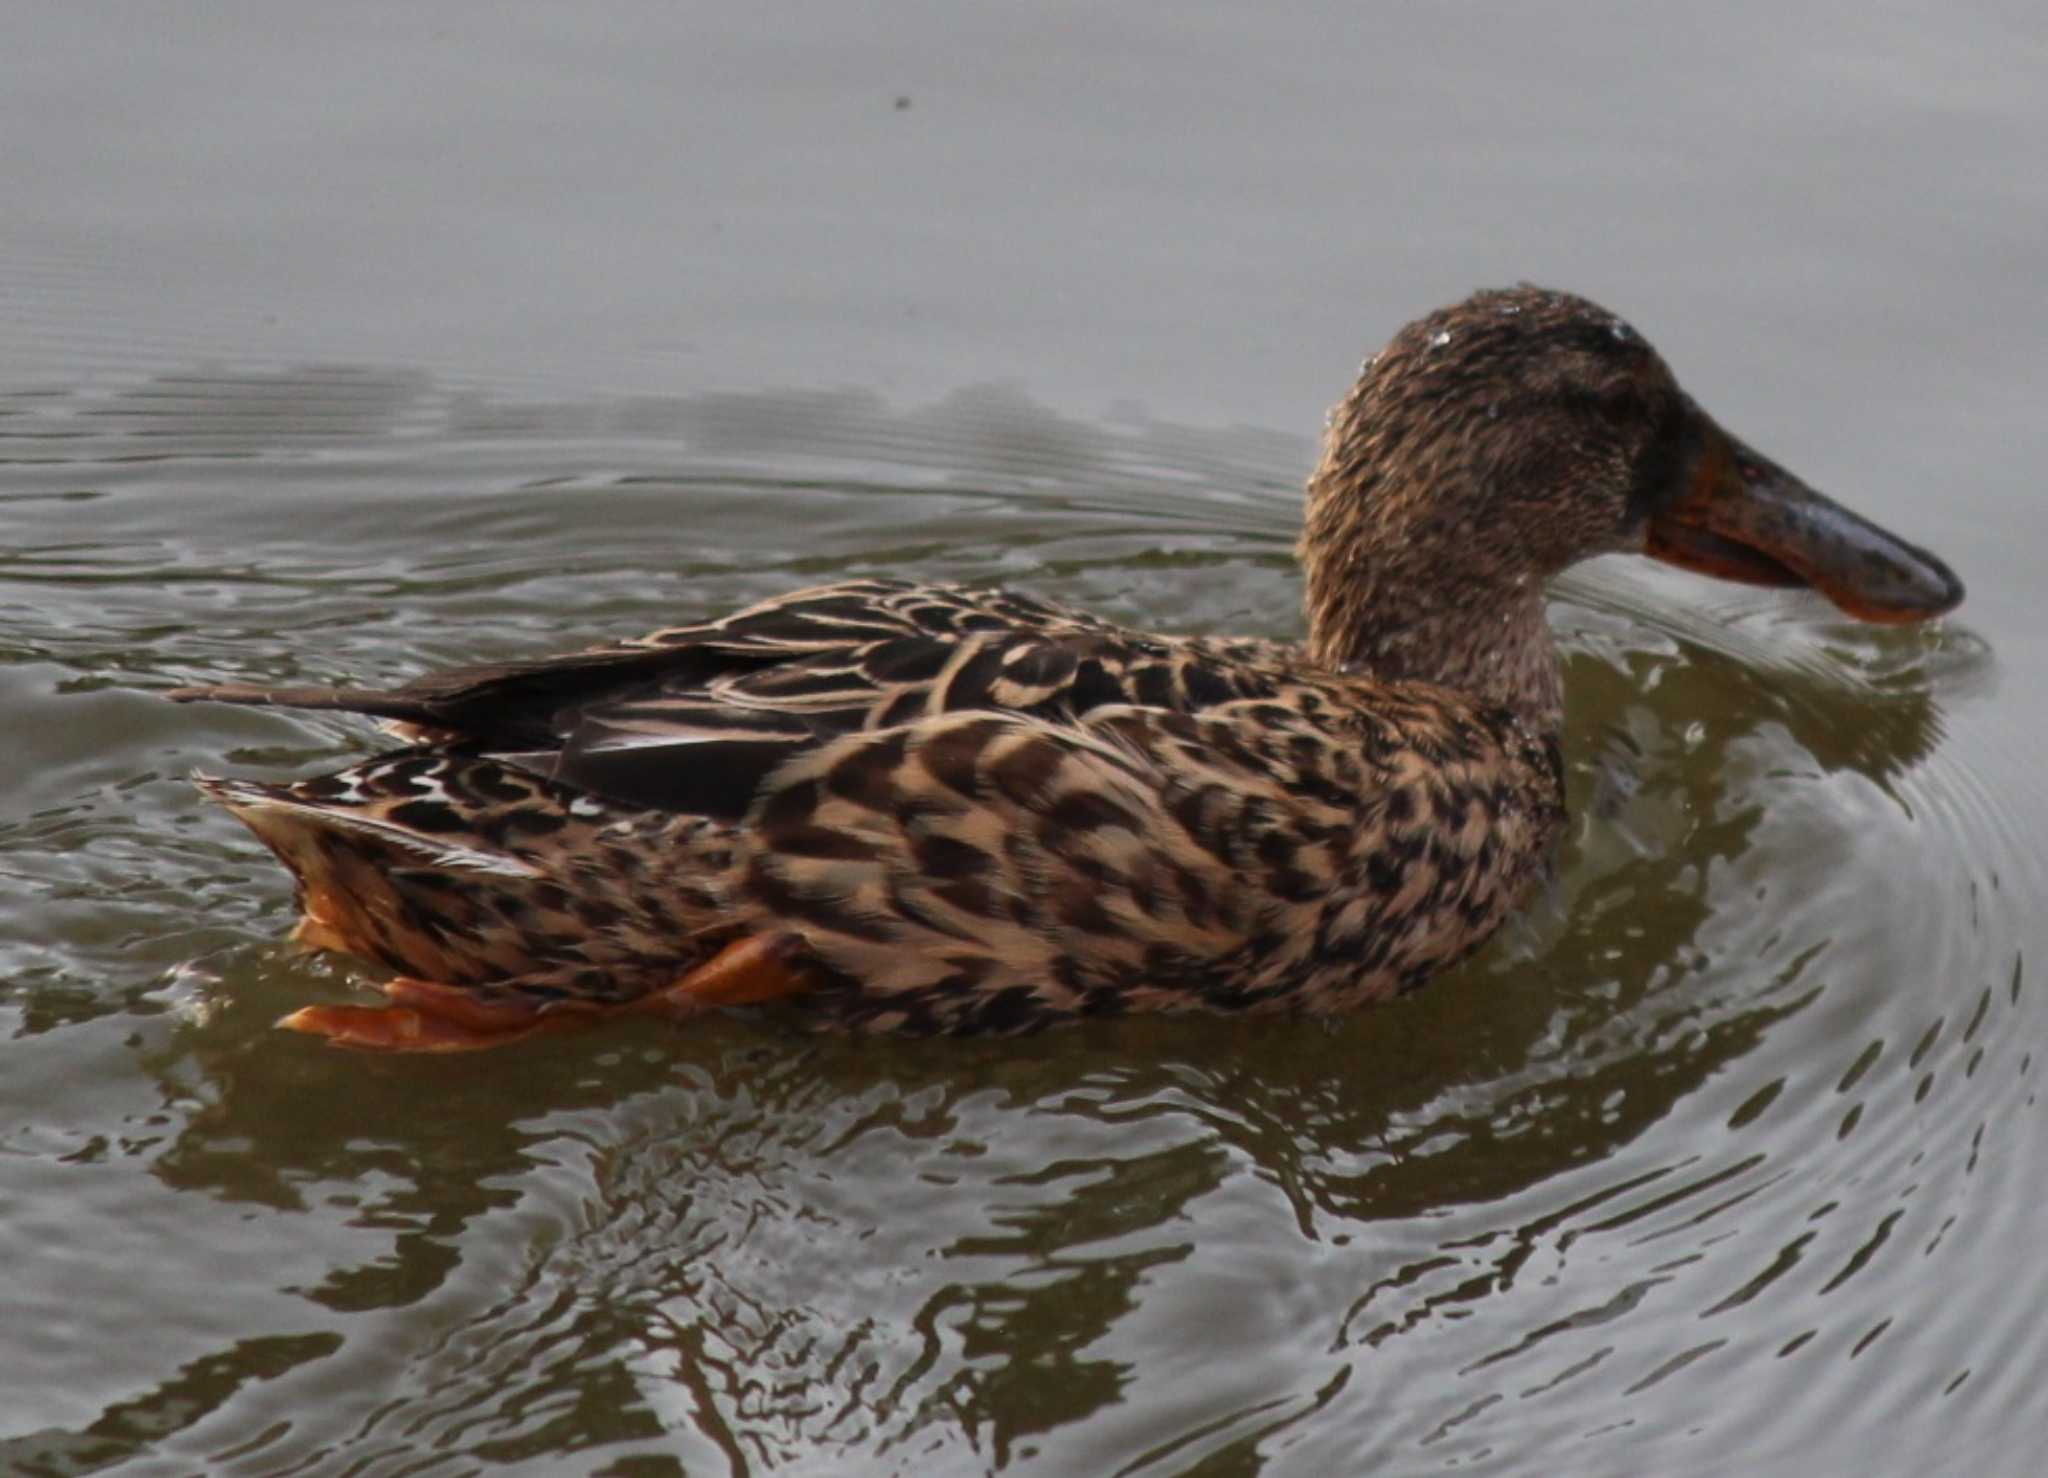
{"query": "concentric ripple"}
[(1725, 1158)]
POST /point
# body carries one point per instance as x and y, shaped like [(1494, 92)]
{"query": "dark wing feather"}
[(694, 718), (707, 748)]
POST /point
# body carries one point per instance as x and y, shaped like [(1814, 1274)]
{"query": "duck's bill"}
[(1742, 517)]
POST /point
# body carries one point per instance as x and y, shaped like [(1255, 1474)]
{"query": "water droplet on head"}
[(1509, 310), (1440, 338)]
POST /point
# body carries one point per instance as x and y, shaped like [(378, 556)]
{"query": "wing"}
[(694, 718), (802, 672)]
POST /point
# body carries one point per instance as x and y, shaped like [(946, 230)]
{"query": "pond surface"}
[(334, 347)]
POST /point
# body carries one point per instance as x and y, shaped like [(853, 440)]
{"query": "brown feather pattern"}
[(976, 811), (956, 810)]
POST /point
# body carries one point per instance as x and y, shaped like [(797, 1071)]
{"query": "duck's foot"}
[(430, 1017), (426, 1016), (756, 968)]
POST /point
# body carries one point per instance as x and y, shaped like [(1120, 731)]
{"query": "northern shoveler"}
[(924, 808)]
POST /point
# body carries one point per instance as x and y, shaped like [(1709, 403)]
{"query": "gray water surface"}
[(337, 344)]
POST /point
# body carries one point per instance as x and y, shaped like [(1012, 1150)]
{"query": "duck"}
[(892, 805)]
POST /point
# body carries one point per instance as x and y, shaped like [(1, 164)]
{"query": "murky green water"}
[(337, 351)]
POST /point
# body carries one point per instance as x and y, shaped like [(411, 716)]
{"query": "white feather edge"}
[(241, 796)]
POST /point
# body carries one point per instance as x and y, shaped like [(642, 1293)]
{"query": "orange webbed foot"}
[(430, 1017), (759, 967)]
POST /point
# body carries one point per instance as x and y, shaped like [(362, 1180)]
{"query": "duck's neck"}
[(1411, 574), (1383, 602), (1490, 642)]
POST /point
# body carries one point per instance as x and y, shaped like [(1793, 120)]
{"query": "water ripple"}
[(1726, 1153)]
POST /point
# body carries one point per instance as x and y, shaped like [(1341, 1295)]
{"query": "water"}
[(342, 351)]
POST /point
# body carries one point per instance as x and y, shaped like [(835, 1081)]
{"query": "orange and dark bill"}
[(1742, 517)]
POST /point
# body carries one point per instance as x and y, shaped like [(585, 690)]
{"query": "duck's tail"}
[(455, 868)]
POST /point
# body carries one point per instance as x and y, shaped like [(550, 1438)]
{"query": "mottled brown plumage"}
[(923, 808)]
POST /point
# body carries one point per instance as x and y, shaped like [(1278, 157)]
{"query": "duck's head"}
[(1498, 441)]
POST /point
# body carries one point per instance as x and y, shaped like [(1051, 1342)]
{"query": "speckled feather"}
[(950, 810), (976, 811)]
